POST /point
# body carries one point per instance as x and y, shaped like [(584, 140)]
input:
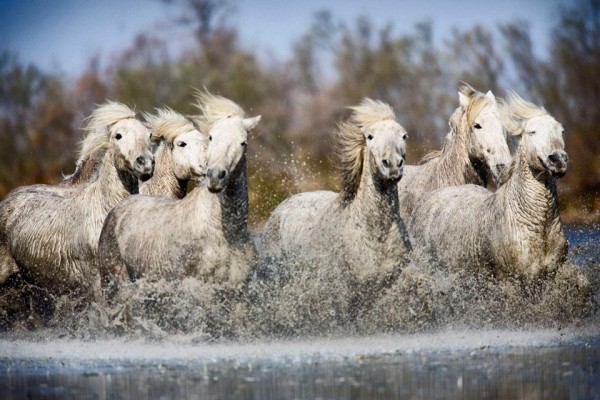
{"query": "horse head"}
[(482, 120)]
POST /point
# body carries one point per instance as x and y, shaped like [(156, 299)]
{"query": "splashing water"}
[(453, 335), (313, 301)]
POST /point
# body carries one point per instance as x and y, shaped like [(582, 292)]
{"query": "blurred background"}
[(299, 64)]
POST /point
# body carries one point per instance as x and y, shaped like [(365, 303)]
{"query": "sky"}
[(62, 35)]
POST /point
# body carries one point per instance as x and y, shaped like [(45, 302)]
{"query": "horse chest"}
[(532, 249)]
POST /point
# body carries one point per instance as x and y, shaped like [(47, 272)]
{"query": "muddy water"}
[(492, 342)]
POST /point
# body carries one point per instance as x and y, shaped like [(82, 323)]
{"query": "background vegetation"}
[(335, 64)]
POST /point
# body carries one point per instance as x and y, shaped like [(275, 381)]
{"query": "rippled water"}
[(440, 361)]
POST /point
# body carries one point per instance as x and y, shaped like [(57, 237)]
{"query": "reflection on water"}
[(566, 371)]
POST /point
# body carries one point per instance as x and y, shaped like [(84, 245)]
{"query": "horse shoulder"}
[(446, 222)]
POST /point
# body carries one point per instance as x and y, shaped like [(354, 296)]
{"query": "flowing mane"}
[(461, 119), (349, 141), (96, 140), (167, 124), (96, 137), (516, 110), (214, 108)]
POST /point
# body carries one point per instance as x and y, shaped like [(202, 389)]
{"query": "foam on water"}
[(181, 349)]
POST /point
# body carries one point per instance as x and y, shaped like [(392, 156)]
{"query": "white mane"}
[(214, 108), (370, 111), (102, 118), (516, 111), (167, 124)]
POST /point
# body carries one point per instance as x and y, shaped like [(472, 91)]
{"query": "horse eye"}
[(182, 144), (477, 126), (370, 137), (405, 136), (210, 138), (244, 144), (118, 136), (563, 132), (532, 133)]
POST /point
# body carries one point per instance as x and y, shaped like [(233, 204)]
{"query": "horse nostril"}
[(385, 163), (222, 174), (401, 162), (500, 167), (140, 160), (554, 157)]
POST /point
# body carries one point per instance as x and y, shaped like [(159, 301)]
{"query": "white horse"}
[(180, 156), (205, 234), (517, 229), (51, 236), (356, 233), (475, 146)]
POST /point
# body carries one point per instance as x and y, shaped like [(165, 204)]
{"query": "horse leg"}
[(8, 265), (110, 263)]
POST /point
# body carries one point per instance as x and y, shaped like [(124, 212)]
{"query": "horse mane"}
[(516, 111), (432, 155), (96, 140), (167, 124), (214, 108), (461, 119), (477, 101), (349, 142)]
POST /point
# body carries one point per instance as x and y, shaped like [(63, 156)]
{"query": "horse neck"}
[(112, 185), (164, 182), (228, 210), (233, 200), (376, 201), (455, 166), (530, 195)]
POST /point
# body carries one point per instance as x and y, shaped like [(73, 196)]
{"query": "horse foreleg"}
[(110, 263), (8, 265)]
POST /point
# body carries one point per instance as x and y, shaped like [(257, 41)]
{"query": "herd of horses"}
[(125, 213)]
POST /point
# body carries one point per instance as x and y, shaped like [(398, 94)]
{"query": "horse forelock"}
[(476, 104), (516, 111), (214, 108), (98, 125), (369, 112), (167, 124)]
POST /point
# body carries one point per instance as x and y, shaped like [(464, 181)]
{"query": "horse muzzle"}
[(557, 163), (144, 167), (217, 178), (392, 170)]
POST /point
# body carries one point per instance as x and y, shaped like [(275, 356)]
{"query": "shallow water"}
[(584, 244), (474, 364), (562, 362)]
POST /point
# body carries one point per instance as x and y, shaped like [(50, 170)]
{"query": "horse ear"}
[(490, 95), (463, 99), (250, 123)]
